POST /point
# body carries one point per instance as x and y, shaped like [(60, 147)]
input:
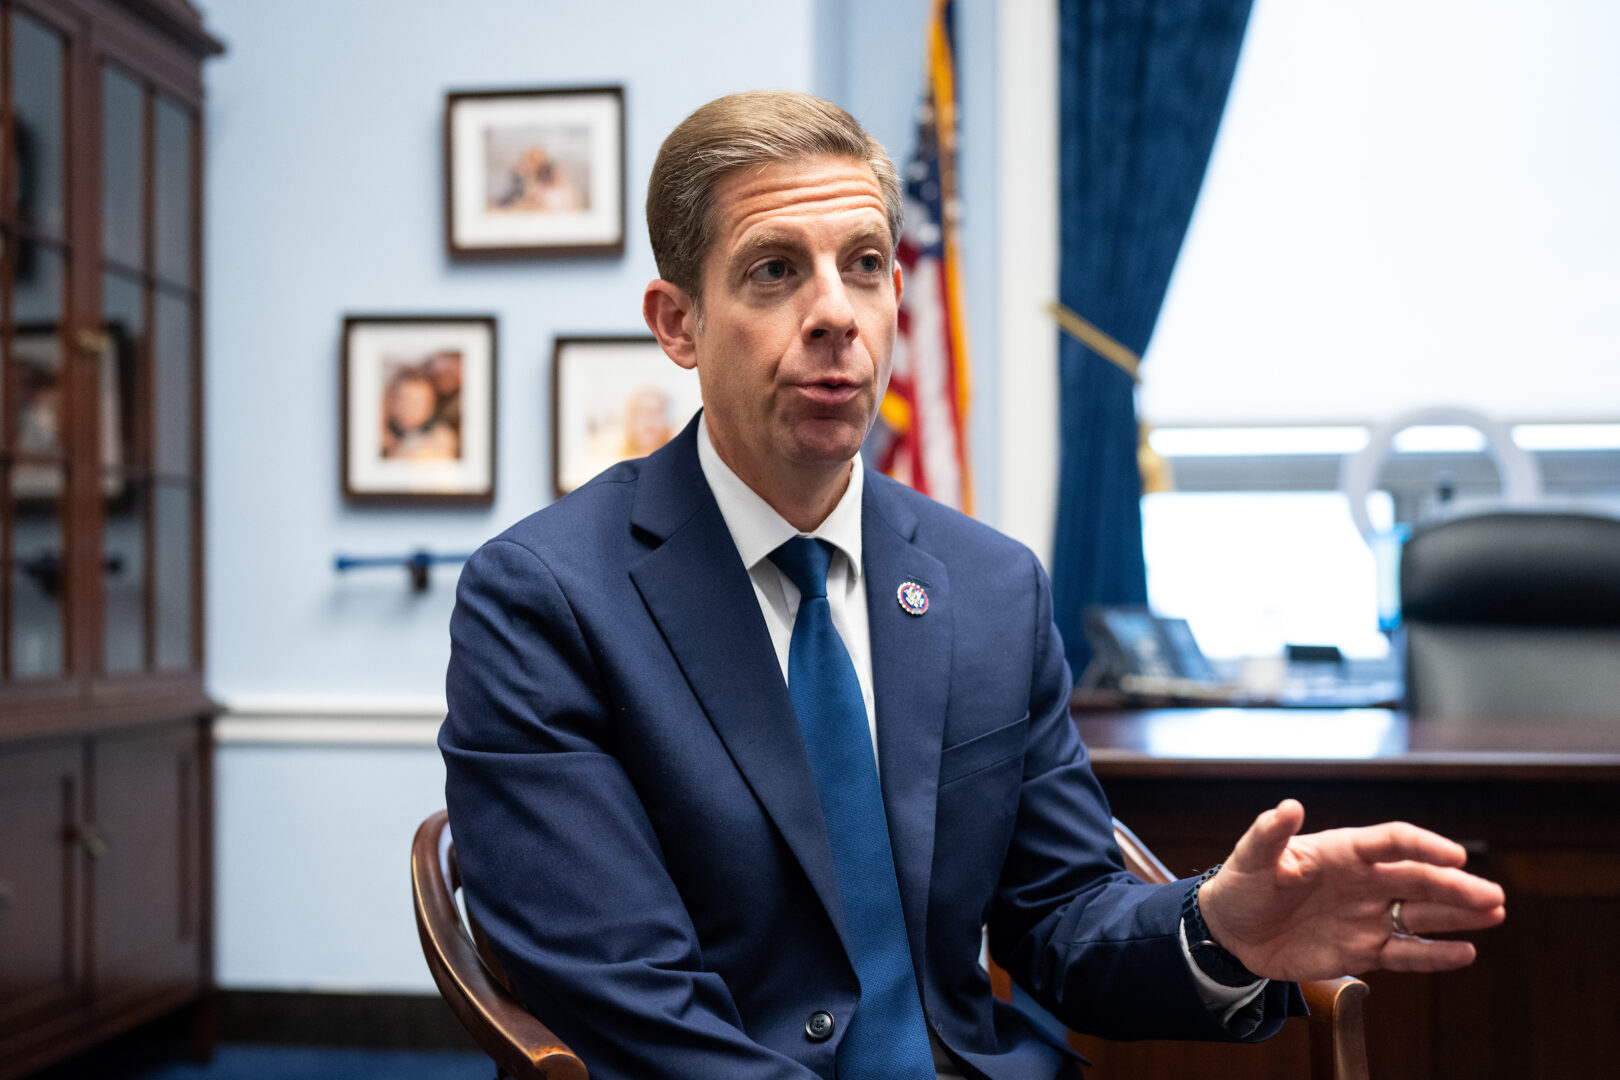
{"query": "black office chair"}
[(1513, 616)]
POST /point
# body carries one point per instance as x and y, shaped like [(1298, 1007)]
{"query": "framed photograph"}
[(418, 409), (36, 357), (612, 399), (535, 172)]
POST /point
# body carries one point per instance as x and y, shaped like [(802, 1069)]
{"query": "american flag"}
[(921, 436)]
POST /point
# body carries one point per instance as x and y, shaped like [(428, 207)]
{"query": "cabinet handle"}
[(93, 342), (8, 893), (93, 840)]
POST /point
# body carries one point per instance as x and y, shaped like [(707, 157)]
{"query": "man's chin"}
[(825, 442)]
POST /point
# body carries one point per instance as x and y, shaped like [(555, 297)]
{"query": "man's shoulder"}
[(591, 520), (945, 532)]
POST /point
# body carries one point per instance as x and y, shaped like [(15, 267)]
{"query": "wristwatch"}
[(1211, 959)]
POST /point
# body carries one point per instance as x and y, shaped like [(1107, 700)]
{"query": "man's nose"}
[(831, 315)]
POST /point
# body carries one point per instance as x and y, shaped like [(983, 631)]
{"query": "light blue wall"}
[(324, 198), (311, 868)]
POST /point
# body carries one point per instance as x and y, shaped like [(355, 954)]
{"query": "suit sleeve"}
[(1085, 938), (560, 864)]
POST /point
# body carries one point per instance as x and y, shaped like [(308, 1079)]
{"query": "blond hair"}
[(740, 131)]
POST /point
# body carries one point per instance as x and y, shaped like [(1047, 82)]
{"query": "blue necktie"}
[(887, 1037)]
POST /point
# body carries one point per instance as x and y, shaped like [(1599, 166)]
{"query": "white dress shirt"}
[(757, 530)]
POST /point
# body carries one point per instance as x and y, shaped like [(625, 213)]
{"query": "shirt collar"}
[(759, 530)]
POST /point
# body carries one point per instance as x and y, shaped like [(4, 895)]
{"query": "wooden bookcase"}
[(105, 787)]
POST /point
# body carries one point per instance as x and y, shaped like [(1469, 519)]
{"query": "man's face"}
[(800, 295)]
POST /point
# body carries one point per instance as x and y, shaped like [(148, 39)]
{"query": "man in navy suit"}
[(644, 820)]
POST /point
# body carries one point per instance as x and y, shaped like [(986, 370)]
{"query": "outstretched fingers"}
[(1286, 901), (1423, 917), (1439, 885), (1420, 954), (1397, 841)]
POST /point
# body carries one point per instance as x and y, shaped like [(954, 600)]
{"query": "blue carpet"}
[(239, 1062)]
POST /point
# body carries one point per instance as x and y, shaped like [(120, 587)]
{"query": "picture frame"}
[(536, 172), (38, 472), (418, 410), (613, 399)]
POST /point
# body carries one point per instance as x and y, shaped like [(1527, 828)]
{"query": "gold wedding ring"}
[(1395, 920)]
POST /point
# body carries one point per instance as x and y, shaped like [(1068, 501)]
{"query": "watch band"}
[(1211, 959)]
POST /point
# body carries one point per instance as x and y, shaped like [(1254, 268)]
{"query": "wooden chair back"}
[(468, 975)]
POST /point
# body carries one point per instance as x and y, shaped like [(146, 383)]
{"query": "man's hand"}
[(1318, 906)]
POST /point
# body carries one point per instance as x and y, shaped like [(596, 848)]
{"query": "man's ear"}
[(670, 316), (897, 289)]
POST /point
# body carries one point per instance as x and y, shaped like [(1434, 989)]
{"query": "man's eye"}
[(871, 264), (771, 270)]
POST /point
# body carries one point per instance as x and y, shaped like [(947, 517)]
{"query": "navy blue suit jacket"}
[(639, 830)]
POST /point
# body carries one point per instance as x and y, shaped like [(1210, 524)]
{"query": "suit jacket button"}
[(820, 1025)]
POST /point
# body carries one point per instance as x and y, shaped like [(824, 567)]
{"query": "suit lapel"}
[(911, 661), (698, 592)]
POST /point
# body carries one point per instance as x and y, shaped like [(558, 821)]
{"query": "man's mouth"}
[(830, 391)]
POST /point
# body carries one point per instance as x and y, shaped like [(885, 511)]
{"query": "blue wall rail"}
[(417, 564)]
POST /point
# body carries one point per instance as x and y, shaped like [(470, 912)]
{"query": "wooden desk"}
[(1537, 805)]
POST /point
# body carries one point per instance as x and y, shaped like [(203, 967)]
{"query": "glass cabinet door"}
[(148, 407), (100, 479), (125, 489), (37, 419)]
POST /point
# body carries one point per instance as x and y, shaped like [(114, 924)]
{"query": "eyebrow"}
[(875, 235), (759, 244), (777, 240)]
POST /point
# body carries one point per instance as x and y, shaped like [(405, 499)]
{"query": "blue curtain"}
[(1143, 84)]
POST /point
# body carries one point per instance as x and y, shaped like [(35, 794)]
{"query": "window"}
[(1255, 547), (1408, 206)]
